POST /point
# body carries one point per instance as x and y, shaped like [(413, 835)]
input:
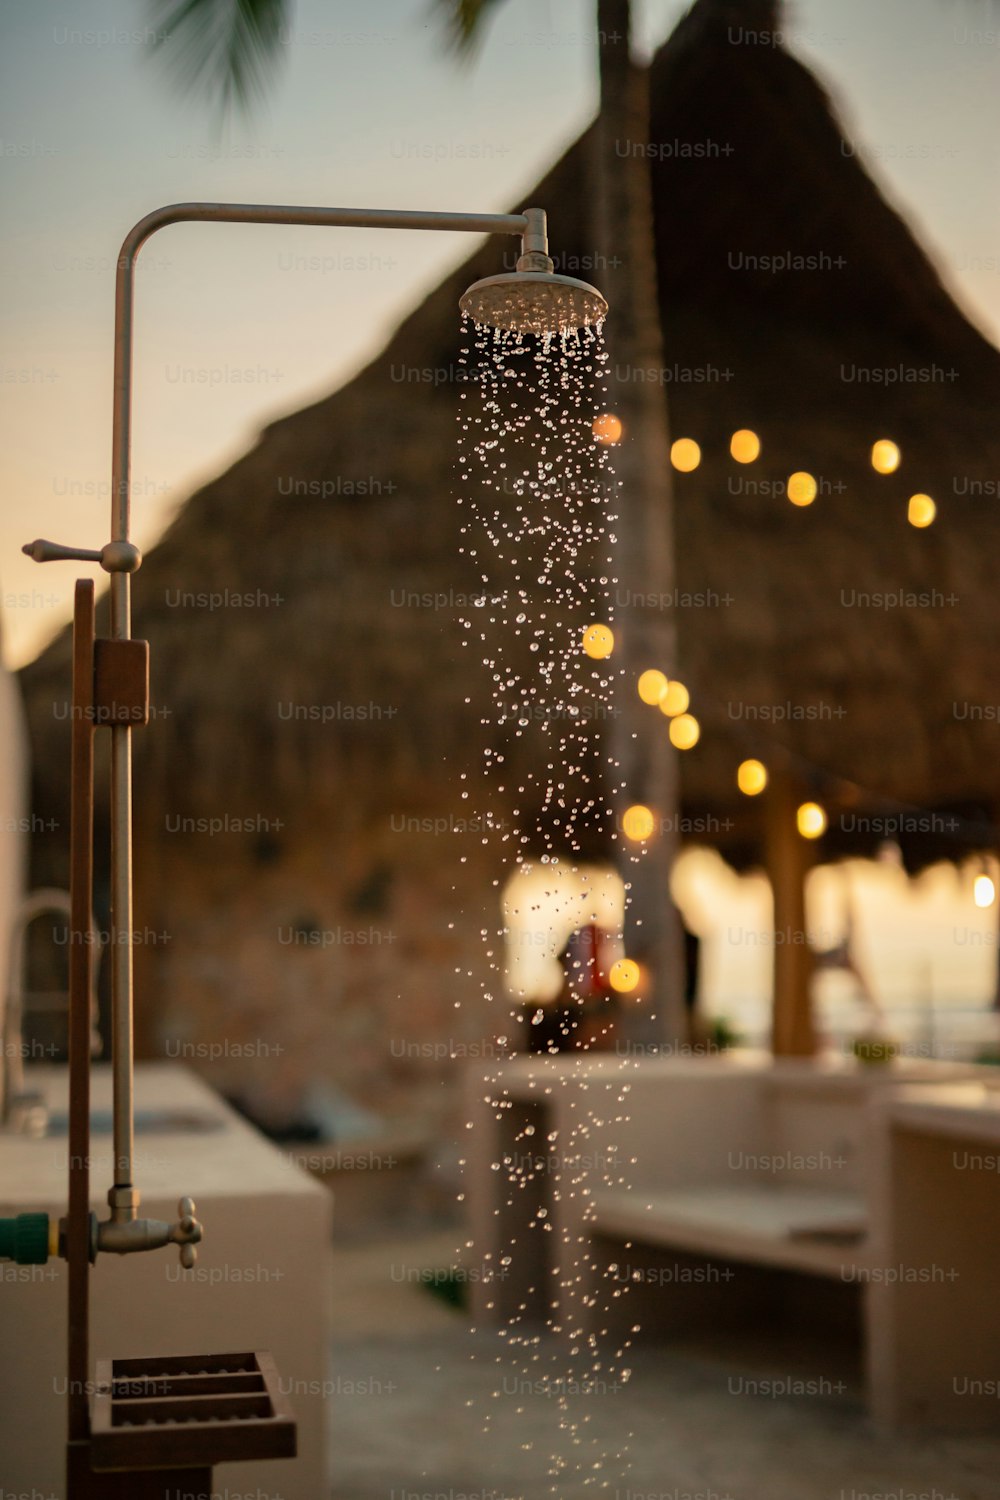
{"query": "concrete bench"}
[(794, 1228), (730, 1159)]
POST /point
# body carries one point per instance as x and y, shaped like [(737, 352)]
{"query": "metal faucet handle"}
[(114, 557), (42, 551), (186, 1233)]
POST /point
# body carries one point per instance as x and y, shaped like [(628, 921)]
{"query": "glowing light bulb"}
[(638, 822), (811, 820), (598, 641), (685, 455), (675, 700), (607, 429), (652, 686), (921, 510), (984, 892), (685, 731), (802, 488), (744, 446), (624, 975), (751, 778), (886, 456)]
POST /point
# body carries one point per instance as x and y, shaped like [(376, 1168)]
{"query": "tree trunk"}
[(644, 561)]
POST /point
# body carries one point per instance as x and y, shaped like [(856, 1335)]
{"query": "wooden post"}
[(789, 858), (80, 967)]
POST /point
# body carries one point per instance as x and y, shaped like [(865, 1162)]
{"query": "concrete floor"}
[(425, 1410)]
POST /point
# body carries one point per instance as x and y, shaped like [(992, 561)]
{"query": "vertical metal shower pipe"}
[(532, 228), (123, 1201)]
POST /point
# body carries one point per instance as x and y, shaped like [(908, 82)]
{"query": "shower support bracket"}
[(121, 558)]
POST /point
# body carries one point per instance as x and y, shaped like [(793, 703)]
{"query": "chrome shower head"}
[(531, 301), (533, 298)]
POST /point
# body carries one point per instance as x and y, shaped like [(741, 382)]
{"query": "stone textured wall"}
[(358, 965)]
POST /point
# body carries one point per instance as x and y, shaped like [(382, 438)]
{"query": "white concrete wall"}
[(14, 811)]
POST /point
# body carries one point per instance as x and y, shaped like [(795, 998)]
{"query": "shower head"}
[(533, 298), (534, 302)]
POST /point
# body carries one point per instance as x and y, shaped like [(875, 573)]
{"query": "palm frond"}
[(226, 49), (464, 22)]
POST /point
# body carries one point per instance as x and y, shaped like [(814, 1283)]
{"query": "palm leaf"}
[(464, 22), (223, 48)]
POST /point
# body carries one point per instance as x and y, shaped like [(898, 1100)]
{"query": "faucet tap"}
[(125, 1236), (31, 1239)]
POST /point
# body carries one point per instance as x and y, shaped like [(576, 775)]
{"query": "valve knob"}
[(187, 1232), (42, 551)]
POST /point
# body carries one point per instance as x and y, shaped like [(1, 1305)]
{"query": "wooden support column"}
[(80, 981), (789, 859)]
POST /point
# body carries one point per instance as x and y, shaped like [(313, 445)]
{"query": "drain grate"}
[(197, 1409)]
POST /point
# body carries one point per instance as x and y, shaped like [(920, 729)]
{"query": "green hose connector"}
[(25, 1239)]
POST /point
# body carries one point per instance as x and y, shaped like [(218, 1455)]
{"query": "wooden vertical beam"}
[(80, 977), (789, 859)]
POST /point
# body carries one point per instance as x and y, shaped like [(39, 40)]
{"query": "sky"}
[(238, 325)]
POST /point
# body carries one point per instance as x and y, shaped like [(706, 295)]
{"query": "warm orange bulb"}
[(921, 511), (685, 455), (744, 446), (886, 456), (638, 823), (675, 700), (652, 685), (811, 820), (802, 488), (624, 975), (685, 731), (607, 429), (751, 778), (598, 641)]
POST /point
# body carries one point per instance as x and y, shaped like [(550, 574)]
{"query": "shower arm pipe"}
[(531, 226), (121, 558)]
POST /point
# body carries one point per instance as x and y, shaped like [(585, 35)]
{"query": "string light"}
[(802, 488), (744, 446), (886, 456), (921, 510), (607, 429), (685, 455), (675, 700), (751, 778), (598, 641), (638, 822), (685, 731), (811, 820), (652, 686), (624, 975)]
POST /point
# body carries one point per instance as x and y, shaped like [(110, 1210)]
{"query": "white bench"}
[(795, 1228), (734, 1159)]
